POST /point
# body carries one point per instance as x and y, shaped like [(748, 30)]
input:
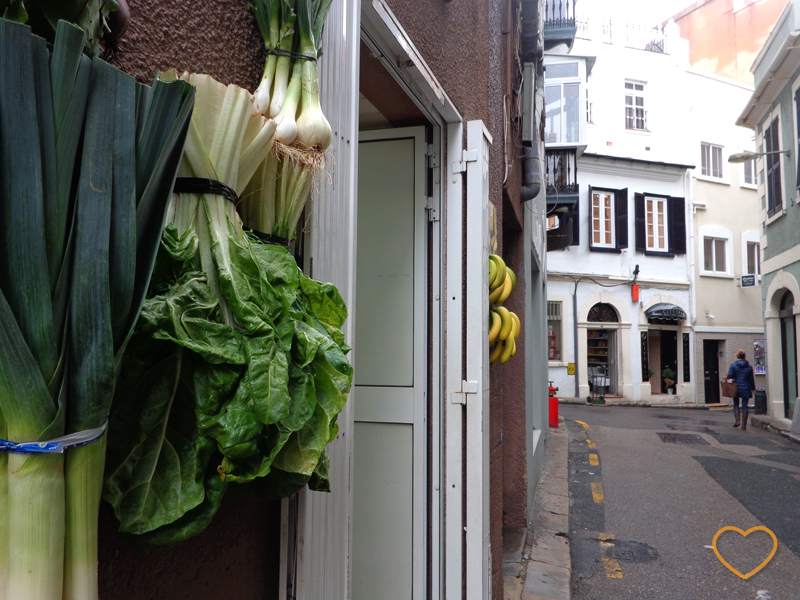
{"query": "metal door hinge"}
[(467, 387), (433, 213), (467, 156)]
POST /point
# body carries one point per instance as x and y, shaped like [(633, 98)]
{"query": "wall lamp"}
[(741, 157)]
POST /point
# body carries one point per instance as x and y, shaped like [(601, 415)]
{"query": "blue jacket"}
[(741, 371)]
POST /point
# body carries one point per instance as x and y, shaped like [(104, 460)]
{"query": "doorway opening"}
[(711, 375), (788, 352), (601, 349)]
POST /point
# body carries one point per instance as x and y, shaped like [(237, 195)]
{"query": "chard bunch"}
[(289, 93)]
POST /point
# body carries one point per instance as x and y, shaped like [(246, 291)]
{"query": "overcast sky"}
[(649, 12)]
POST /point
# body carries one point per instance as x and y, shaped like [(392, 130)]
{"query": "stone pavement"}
[(536, 560)]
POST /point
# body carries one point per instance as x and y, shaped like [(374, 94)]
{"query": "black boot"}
[(736, 413), (745, 414)]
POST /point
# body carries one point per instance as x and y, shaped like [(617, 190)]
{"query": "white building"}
[(650, 235)]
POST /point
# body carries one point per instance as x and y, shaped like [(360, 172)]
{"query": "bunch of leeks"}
[(289, 93), (87, 161)]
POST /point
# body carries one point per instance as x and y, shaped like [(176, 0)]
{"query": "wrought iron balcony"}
[(559, 14), (561, 171)]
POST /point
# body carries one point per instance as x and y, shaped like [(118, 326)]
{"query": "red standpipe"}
[(553, 405)]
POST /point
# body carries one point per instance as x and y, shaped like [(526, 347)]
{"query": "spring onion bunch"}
[(289, 93), (236, 371), (87, 160)]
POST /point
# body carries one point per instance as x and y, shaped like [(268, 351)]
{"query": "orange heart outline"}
[(745, 534)]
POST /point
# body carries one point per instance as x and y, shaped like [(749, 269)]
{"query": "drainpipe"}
[(531, 52)]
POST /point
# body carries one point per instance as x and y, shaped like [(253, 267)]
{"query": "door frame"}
[(422, 279), (707, 344), (324, 521)]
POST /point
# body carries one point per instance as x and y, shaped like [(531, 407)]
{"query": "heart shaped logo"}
[(745, 534)]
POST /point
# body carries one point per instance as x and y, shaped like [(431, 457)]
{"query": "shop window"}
[(603, 313), (554, 343)]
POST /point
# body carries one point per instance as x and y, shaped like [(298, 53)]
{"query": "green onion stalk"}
[(276, 197), (3, 513)]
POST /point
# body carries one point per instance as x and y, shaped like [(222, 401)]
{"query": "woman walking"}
[(742, 373)]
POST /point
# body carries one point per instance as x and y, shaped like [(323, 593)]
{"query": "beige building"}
[(726, 234)]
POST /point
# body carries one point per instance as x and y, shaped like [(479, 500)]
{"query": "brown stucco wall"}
[(235, 557)]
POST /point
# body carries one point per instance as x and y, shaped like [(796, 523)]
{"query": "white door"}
[(389, 453)]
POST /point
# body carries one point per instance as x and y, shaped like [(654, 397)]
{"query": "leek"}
[(76, 201)]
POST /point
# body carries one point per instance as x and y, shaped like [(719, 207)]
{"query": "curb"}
[(638, 404), (769, 424), (537, 563)]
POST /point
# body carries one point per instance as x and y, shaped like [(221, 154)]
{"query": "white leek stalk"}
[(283, 67), (270, 30), (286, 124)]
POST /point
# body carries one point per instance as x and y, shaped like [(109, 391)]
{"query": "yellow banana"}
[(517, 326), (492, 272), (513, 347), (508, 322), (506, 290), (495, 295), (495, 328), (508, 348), (513, 276), (500, 278), (495, 355)]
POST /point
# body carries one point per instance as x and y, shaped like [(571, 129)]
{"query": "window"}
[(603, 219), (711, 160), (635, 114), (714, 252), (750, 172), (772, 144), (656, 224), (562, 113), (554, 330), (589, 107), (753, 258)]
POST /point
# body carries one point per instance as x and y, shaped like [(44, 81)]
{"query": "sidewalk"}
[(775, 425), (536, 561)]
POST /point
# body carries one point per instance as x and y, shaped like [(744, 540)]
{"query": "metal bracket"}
[(433, 213), (467, 156), (467, 387)]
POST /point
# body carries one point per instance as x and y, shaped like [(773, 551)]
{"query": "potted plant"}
[(650, 374), (668, 375)]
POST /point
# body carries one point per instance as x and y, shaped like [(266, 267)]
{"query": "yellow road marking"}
[(613, 570), (779, 444), (605, 536), (585, 425), (591, 444), (594, 460), (597, 492)]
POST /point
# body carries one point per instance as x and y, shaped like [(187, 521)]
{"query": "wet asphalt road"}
[(650, 488)]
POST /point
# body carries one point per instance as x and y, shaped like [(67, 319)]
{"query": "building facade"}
[(437, 451), (772, 112)]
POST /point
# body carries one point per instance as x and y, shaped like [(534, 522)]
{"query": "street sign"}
[(748, 281), (571, 369)]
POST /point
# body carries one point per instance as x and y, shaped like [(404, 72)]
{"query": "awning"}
[(665, 312)]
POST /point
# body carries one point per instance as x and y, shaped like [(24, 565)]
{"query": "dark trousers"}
[(744, 403)]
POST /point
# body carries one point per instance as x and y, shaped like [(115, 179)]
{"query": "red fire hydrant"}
[(553, 405)]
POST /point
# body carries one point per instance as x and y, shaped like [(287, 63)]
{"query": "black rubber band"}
[(200, 185), (271, 239), (290, 54)]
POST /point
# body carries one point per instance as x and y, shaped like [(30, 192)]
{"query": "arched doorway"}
[(788, 352), (601, 348)]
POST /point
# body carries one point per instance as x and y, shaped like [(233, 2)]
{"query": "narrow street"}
[(650, 488)]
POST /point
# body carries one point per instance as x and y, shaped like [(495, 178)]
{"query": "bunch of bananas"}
[(505, 325)]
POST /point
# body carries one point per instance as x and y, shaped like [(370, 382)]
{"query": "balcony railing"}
[(561, 171), (559, 13), (630, 35)]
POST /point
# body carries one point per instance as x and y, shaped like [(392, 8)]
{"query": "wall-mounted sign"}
[(571, 369), (748, 280)]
